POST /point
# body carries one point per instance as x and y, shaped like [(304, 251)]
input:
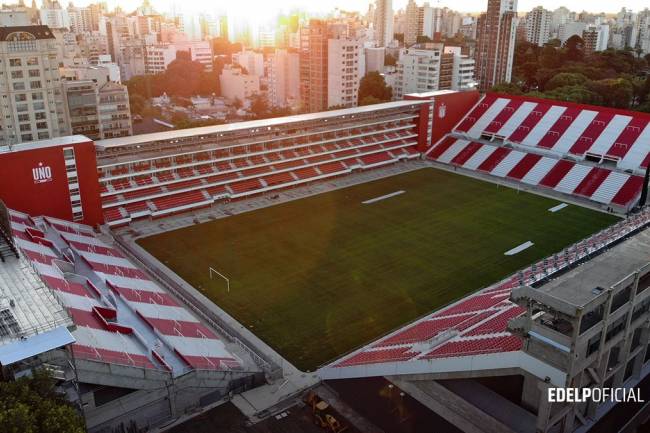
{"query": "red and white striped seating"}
[(601, 184), (170, 184), (548, 143), (103, 333)]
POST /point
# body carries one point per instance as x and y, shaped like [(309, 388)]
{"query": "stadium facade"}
[(118, 333)]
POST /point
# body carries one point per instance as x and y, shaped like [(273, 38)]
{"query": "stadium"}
[(436, 242)]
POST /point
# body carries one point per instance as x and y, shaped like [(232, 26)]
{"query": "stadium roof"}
[(581, 286), (229, 127), (40, 343), (51, 142), (27, 306)]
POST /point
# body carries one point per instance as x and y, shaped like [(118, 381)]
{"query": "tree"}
[(615, 92), (373, 84), (577, 93), (575, 48), (509, 88), (565, 79), (370, 100), (31, 405), (137, 103), (259, 107)]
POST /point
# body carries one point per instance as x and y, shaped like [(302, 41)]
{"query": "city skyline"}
[(270, 9)]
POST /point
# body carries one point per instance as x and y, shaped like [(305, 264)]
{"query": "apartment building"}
[(32, 102), (345, 64)]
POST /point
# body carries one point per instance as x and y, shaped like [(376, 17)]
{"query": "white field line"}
[(392, 194), (519, 248), (558, 207)]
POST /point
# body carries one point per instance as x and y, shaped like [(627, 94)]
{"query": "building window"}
[(41, 125), (25, 127), (23, 117), (33, 73), (35, 84), (40, 116), (43, 135), (32, 61), (16, 74), (20, 97), (27, 137), (19, 86), (22, 108), (37, 96), (15, 62)]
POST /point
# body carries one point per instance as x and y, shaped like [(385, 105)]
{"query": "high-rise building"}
[(284, 79), (496, 43), (237, 85), (97, 107), (412, 30), (595, 38), (640, 33), (81, 19), (572, 28), (313, 66), (31, 106), (252, 61), (344, 70), (383, 22), (434, 67), (538, 26), (53, 15), (375, 58)]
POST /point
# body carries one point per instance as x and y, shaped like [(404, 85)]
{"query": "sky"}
[(243, 8)]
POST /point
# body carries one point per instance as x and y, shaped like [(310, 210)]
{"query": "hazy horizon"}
[(264, 7)]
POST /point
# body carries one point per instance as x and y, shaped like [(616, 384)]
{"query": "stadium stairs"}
[(173, 183), (592, 153)]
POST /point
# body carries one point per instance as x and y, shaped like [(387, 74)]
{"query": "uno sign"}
[(42, 174)]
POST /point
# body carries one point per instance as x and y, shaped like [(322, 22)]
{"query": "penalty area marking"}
[(519, 249), (383, 197), (558, 207)]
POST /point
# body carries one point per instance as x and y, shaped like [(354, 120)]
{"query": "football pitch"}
[(319, 276)]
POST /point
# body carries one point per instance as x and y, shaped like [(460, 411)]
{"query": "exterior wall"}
[(538, 26), (374, 59), (383, 22), (284, 79), (496, 43), (448, 109), (313, 66), (236, 85), (50, 195), (343, 72)]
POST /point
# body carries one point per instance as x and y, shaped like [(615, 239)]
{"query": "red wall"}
[(448, 109), (20, 191)]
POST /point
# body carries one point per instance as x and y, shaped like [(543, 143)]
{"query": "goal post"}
[(214, 271)]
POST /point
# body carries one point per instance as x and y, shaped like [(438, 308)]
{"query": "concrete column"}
[(543, 407)]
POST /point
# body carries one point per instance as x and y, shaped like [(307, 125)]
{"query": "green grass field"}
[(317, 277)]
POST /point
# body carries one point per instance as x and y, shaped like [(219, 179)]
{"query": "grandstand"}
[(161, 174), (129, 333), (594, 153)]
